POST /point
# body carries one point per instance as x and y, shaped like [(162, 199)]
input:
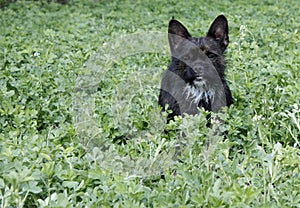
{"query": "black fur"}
[(195, 78)]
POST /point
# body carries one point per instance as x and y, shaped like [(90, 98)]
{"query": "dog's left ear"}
[(219, 31)]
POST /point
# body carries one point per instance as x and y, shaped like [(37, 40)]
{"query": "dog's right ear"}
[(176, 34)]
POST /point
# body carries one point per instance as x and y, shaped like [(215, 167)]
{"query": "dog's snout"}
[(190, 75)]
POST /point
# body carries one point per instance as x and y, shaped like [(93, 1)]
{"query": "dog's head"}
[(191, 50)]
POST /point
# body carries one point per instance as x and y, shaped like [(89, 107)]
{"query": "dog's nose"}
[(189, 75)]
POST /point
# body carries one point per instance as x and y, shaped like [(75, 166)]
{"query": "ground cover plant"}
[(80, 125)]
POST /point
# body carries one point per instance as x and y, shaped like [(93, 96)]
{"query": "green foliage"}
[(80, 125)]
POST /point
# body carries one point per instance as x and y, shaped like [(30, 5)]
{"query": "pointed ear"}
[(177, 33), (219, 31)]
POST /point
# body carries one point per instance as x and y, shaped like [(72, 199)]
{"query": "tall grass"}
[(80, 125)]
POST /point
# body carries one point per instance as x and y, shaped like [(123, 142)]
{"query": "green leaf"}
[(70, 184)]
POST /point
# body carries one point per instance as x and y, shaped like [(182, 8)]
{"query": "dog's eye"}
[(211, 55)]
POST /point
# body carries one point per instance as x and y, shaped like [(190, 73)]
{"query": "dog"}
[(195, 77)]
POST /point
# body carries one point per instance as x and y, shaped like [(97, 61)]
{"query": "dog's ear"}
[(177, 33), (219, 31)]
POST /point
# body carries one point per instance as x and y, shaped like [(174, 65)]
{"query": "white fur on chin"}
[(198, 92)]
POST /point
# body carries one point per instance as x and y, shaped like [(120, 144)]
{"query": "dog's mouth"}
[(199, 83)]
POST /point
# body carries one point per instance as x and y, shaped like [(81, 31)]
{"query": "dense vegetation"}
[(80, 125)]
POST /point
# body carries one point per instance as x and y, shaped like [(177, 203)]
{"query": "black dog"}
[(195, 78)]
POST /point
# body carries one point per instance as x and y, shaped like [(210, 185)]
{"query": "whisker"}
[(197, 93)]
